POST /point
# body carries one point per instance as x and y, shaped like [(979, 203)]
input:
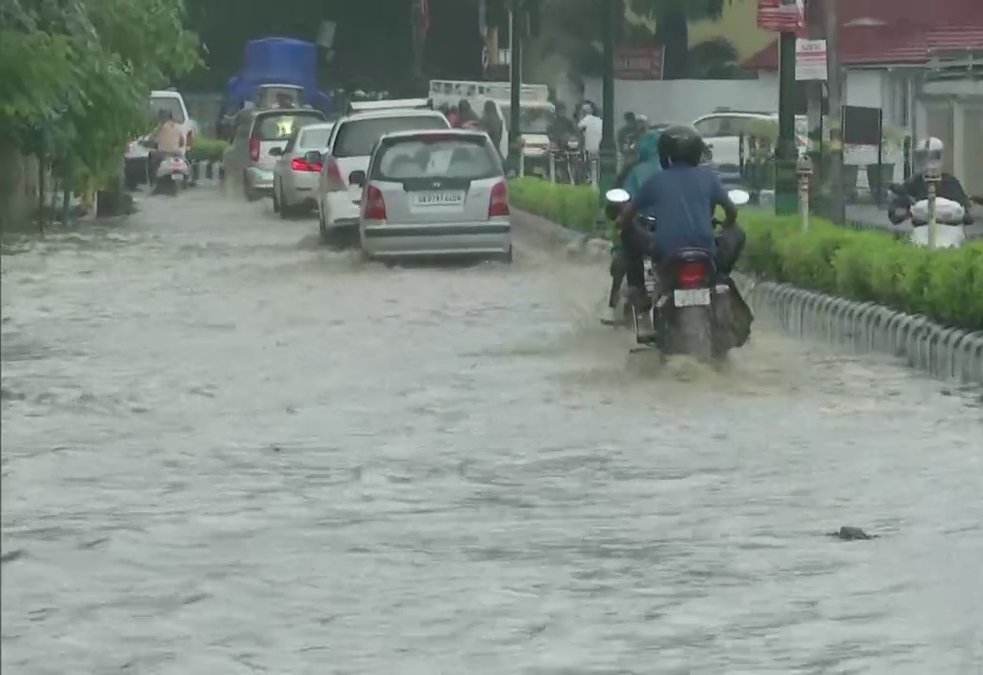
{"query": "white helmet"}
[(929, 152)]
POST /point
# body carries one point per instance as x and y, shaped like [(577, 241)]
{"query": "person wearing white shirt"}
[(593, 128)]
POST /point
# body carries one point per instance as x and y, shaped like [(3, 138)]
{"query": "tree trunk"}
[(673, 33)]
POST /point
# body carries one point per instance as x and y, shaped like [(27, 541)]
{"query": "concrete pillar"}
[(960, 163)]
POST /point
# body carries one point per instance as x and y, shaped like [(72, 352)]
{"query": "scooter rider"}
[(682, 199), (647, 163), (169, 141), (930, 152), (617, 267)]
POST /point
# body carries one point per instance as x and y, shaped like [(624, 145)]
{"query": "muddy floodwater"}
[(228, 450)]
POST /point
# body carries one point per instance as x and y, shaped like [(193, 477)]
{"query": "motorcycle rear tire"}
[(694, 332)]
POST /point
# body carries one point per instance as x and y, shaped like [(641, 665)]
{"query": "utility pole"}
[(609, 154), (786, 154), (834, 173), (814, 93), (517, 16), (419, 40)]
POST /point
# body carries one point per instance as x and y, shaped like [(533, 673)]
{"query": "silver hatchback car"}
[(435, 193), (294, 178)]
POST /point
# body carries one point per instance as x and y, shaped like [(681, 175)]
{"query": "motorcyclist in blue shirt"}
[(682, 198)]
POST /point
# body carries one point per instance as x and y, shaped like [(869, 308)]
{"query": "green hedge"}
[(946, 285), (207, 150), (574, 206)]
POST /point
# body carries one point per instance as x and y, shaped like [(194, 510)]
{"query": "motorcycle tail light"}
[(692, 275)]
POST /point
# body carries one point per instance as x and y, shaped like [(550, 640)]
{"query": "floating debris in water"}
[(847, 533)]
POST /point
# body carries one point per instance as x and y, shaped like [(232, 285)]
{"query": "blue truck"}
[(275, 70)]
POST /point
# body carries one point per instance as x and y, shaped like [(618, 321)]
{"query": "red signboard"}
[(782, 16), (638, 63)]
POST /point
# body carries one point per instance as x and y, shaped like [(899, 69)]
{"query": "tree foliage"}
[(75, 76)]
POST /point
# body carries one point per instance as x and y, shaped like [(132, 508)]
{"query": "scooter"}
[(950, 219), (696, 310), (172, 174)]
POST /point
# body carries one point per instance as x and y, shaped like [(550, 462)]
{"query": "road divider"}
[(865, 289)]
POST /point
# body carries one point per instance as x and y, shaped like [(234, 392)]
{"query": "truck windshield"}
[(171, 104), (279, 97), (531, 120)]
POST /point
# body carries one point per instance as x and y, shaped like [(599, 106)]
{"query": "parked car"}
[(434, 193), (294, 178), (259, 139), (722, 131), (349, 150), (138, 151)]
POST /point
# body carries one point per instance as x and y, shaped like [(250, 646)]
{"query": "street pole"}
[(609, 156), (786, 154), (834, 189), (814, 91), (418, 42), (516, 24)]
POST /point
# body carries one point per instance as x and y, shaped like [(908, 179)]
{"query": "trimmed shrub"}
[(207, 150), (574, 206), (945, 285)]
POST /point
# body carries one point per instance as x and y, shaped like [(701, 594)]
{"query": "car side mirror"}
[(314, 157), (357, 178)]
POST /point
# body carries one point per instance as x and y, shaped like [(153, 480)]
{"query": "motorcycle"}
[(568, 162), (173, 173), (950, 219), (696, 310)]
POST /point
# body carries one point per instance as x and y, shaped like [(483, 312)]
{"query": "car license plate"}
[(438, 198), (691, 297)]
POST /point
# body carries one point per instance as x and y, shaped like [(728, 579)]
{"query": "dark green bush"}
[(946, 285)]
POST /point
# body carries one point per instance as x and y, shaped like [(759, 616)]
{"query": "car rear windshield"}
[(171, 104), (356, 138), (315, 138), (437, 156), (278, 127)]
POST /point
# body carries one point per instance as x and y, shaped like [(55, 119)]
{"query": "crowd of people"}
[(463, 116)]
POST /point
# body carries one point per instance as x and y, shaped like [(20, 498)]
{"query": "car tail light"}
[(334, 174), (498, 205), (691, 275), (375, 205), (254, 149), (301, 164)]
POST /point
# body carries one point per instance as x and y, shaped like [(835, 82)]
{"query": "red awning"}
[(874, 32)]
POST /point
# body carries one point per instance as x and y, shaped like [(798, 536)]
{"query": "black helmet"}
[(680, 144)]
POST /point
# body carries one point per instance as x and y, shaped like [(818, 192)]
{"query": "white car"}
[(172, 101), (349, 150), (137, 152), (722, 132), (294, 178), (435, 193)]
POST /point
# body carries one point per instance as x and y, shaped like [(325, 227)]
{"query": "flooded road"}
[(229, 450)]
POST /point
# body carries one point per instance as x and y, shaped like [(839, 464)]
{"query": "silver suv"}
[(258, 141)]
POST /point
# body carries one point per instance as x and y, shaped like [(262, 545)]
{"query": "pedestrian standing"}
[(593, 127), (492, 123)]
